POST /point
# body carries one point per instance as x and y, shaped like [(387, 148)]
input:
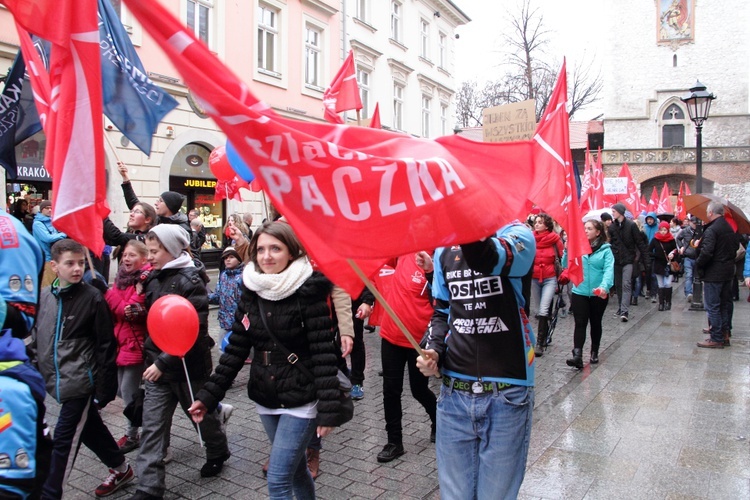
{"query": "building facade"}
[(654, 53), (288, 52)]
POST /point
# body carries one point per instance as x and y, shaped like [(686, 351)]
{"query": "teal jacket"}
[(598, 271)]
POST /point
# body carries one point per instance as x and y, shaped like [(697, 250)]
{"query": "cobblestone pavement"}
[(657, 418)]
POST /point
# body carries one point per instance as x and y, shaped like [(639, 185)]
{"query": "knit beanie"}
[(44, 204), (620, 208), (664, 224), (605, 217), (173, 238), (172, 200), (230, 251)]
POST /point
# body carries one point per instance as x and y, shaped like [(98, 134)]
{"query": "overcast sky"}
[(575, 27)]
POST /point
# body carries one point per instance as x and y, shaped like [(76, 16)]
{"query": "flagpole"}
[(370, 286), (112, 146), (359, 120)]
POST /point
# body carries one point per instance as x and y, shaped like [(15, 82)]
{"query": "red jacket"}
[(130, 335), (544, 262), (409, 298)]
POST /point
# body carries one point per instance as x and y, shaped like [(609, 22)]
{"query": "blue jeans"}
[(543, 293), (288, 476), (663, 280), (687, 265), (717, 299), (482, 442)]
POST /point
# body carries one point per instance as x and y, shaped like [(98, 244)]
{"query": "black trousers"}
[(587, 310), (394, 358), (79, 422)]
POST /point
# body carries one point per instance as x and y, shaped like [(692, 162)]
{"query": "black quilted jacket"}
[(302, 323)]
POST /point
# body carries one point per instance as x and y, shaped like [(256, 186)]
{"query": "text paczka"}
[(425, 180)]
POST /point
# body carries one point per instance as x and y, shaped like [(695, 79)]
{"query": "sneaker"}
[(624, 317), (114, 482), (213, 466), (127, 444), (357, 392), (617, 314), (563, 313), (653, 299), (710, 344), (390, 452), (225, 411)]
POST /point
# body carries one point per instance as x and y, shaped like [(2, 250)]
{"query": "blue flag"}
[(133, 102), (18, 116)]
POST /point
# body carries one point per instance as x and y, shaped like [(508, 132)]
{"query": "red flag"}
[(632, 201), (75, 152), (664, 206), (653, 202), (37, 74), (687, 190), (585, 201), (553, 187), (680, 212), (362, 193), (644, 204), (229, 189), (375, 120), (343, 94), (597, 183)]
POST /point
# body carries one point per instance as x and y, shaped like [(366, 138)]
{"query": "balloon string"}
[(192, 399)]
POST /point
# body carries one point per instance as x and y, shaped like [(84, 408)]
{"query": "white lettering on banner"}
[(483, 287), (32, 172), (13, 95), (418, 177)]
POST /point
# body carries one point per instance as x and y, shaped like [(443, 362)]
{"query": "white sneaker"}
[(225, 412)]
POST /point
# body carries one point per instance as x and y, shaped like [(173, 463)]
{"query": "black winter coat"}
[(302, 323), (625, 239), (187, 283), (716, 251)]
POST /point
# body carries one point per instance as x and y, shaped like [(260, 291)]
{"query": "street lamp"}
[(698, 104)]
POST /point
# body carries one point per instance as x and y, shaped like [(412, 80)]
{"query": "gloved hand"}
[(563, 279)]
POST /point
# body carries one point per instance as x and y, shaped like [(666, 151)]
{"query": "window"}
[(396, 21), (362, 13), (426, 103), (424, 33), (443, 50), (363, 79), (199, 19), (313, 38), (268, 38), (398, 106), (443, 119), (673, 126)]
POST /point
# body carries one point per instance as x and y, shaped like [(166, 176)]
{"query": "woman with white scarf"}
[(279, 283)]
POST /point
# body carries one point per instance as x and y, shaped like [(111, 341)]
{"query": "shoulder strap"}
[(290, 356)]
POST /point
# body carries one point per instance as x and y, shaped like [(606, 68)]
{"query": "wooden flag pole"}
[(385, 305), (359, 120)]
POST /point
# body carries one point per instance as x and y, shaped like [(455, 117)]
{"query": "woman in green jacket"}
[(590, 297)]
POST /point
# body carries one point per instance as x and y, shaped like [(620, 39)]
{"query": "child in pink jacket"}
[(126, 301)]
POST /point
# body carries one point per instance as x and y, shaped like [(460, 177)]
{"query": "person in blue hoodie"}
[(46, 234), (590, 297), (650, 228)]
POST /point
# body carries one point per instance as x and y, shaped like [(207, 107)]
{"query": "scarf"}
[(664, 237), (184, 260), (126, 279), (277, 286)]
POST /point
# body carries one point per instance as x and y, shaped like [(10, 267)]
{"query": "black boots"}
[(634, 300), (541, 340), (661, 299), (594, 356), (576, 360), (668, 299)]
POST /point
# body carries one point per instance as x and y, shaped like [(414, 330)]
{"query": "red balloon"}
[(219, 164), (173, 324)]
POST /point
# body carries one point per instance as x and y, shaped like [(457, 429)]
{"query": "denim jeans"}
[(717, 299), (288, 476), (688, 265), (482, 442), (663, 280), (543, 293)]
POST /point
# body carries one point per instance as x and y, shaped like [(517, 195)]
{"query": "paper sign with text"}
[(615, 185), (509, 122)]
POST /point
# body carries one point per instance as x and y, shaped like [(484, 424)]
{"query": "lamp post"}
[(698, 104)]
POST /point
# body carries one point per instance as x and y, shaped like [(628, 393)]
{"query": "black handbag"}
[(346, 406)]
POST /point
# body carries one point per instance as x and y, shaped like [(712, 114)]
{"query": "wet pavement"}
[(657, 418)]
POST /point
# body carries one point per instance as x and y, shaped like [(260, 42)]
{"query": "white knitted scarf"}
[(277, 286)]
